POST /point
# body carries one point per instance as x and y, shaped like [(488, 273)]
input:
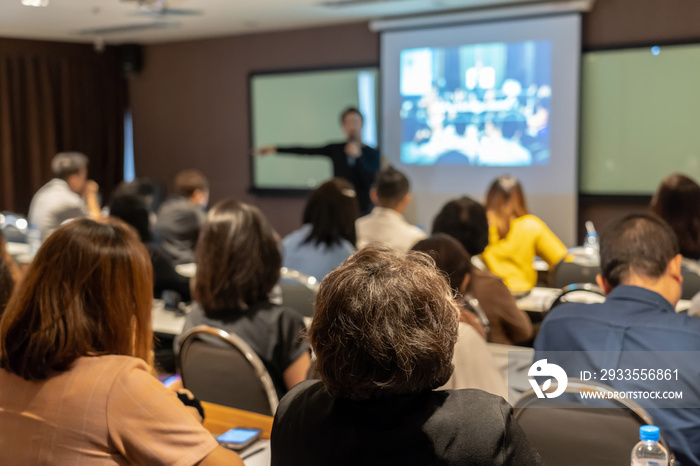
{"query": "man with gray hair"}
[(67, 196)]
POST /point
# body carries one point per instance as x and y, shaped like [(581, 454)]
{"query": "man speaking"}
[(352, 159)]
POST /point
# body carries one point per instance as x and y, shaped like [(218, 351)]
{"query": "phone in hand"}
[(239, 438)]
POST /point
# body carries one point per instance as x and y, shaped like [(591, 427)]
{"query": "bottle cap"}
[(649, 433)]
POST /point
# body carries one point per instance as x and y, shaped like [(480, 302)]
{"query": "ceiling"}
[(120, 21)]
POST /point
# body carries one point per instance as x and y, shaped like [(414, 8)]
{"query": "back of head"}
[(238, 262), (132, 209), (66, 164), (88, 292), (189, 181), (331, 211), (637, 244), (465, 220), (449, 255), (677, 201), (505, 201), (392, 187), (385, 324), (146, 189)]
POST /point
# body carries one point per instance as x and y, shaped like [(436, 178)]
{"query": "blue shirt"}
[(309, 258), (633, 319)]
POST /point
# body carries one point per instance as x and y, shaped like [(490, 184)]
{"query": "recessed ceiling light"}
[(35, 2)]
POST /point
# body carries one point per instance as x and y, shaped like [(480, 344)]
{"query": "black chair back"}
[(690, 270), (221, 368), (573, 434), (575, 268)]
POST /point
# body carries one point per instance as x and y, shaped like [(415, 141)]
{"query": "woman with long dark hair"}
[(75, 359), (238, 264), (327, 236)]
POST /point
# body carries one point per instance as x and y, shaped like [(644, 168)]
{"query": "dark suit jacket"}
[(361, 174), (446, 428)]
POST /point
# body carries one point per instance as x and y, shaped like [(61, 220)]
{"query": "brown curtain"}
[(54, 98)]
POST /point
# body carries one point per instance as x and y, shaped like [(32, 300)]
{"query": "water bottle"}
[(649, 452), (590, 244)]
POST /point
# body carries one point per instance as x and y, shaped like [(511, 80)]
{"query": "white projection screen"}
[(464, 104)]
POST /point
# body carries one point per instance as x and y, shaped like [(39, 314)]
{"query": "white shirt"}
[(53, 204), (387, 226)]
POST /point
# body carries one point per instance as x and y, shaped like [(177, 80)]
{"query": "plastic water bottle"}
[(590, 244), (649, 452)]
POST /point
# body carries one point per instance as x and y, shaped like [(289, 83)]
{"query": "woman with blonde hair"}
[(516, 237), (75, 353)]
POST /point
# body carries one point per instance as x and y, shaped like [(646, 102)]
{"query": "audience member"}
[(516, 237), (75, 349), (641, 276), (507, 323), (386, 223), (677, 201), (132, 209), (384, 335), (327, 236), (7, 281), (465, 220), (238, 264), (474, 366), (146, 189), (180, 218), (67, 196)]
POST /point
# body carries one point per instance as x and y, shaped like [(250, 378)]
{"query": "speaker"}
[(130, 58)]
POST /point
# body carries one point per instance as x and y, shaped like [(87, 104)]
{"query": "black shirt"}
[(359, 171), (450, 427), (177, 229), (274, 332)]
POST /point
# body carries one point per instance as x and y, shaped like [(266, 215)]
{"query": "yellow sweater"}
[(511, 258)]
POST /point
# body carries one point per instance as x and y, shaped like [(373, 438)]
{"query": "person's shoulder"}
[(296, 237), (529, 221), (109, 368), (470, 408), (302, 394), (485, 276)]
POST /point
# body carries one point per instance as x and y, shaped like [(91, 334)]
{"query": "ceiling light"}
[(35, 2)]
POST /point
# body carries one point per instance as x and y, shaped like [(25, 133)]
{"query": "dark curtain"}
[(55, 98)]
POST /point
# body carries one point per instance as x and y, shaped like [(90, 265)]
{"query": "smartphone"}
[(239, 438)]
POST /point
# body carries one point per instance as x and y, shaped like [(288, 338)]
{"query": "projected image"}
[(483, 104)]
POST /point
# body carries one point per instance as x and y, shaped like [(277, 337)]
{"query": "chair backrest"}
[(221, 368), (298, 291), (690, 270), (578, 293), (572, 433), (575, 268)]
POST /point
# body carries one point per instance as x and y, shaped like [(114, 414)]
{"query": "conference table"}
[(218, 419)]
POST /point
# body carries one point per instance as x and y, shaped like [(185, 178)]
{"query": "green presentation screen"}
[(640, 118), (303, 109)]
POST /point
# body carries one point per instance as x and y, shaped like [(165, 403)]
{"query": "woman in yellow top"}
[(516, 237)]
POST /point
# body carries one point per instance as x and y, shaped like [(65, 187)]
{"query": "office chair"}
[(602, 432), (221, 368), (298, 291)]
